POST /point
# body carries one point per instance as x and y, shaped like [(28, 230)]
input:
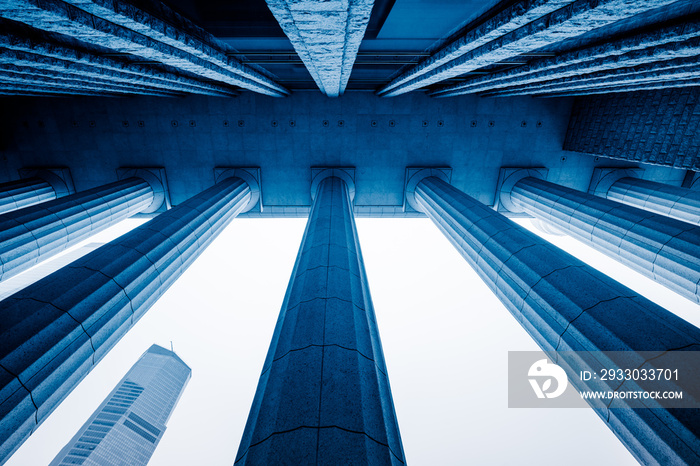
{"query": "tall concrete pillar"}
[(24, 193), (567, 306), (324, 396), (53, 332), (673, 201), (33, 234), (664, 249)]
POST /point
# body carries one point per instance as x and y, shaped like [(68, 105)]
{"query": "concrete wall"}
[(190, 136)]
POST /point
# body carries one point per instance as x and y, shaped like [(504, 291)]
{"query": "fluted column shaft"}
[(24, 193), (673, 201), (31, 235), (53, 332), (324, 396), (567, 306), (664, 249)]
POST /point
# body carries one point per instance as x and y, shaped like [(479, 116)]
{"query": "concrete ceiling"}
[(190, 135)]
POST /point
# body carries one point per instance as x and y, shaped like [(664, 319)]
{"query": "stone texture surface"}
[(173, 29), (673, 201), (676, 83), (11, 75), (666, 43), (568, 21), (509, 19), (50, 55), (661, 248), (33, 234), (659, 127), (324, 396), (666, 73), (53, 332), (326, 36), (58, 17), (566, 306), (24, 193)]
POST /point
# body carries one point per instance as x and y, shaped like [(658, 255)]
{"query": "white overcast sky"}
[(446, 339)]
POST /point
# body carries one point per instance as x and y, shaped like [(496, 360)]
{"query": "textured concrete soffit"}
[(59, 17), (325, 35), (187, 36), (544, 29), (49, 56), (509, 19), (664, 43)]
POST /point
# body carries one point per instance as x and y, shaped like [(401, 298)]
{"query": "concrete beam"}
[(59, 17), (635, 50), (668, 70), (325, 35), (573, 20), (173, 29), (50, 80), (10, 88), (515, 16), (91, 67), (690, 82)]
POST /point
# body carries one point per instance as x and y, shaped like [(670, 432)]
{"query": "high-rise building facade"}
[(130, 422)]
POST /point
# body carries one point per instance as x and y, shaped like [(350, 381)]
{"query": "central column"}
[(324, 396)]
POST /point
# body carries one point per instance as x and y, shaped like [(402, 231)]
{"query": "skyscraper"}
[(130, 422)]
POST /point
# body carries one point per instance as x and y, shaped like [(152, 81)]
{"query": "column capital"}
[(155, 177), (59, 178), (346, 174), (604, 177), (415, 175), (507, 178), (250, 175)]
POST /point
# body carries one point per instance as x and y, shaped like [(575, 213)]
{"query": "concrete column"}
[(567, 306), (673, 201), (324, 396), (53, 332), (661, 248), (24, 193), (33, 234)]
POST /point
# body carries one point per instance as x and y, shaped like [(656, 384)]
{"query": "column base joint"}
[(507, 178), (155, 177)]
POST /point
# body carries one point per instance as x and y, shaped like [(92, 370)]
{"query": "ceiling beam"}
[(519, 29), (511, 18), (139, 34), (690, 82), (667, 70), (663, 43), (58, 59), (326, 35)]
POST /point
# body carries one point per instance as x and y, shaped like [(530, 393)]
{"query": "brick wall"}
[(657, 127)]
